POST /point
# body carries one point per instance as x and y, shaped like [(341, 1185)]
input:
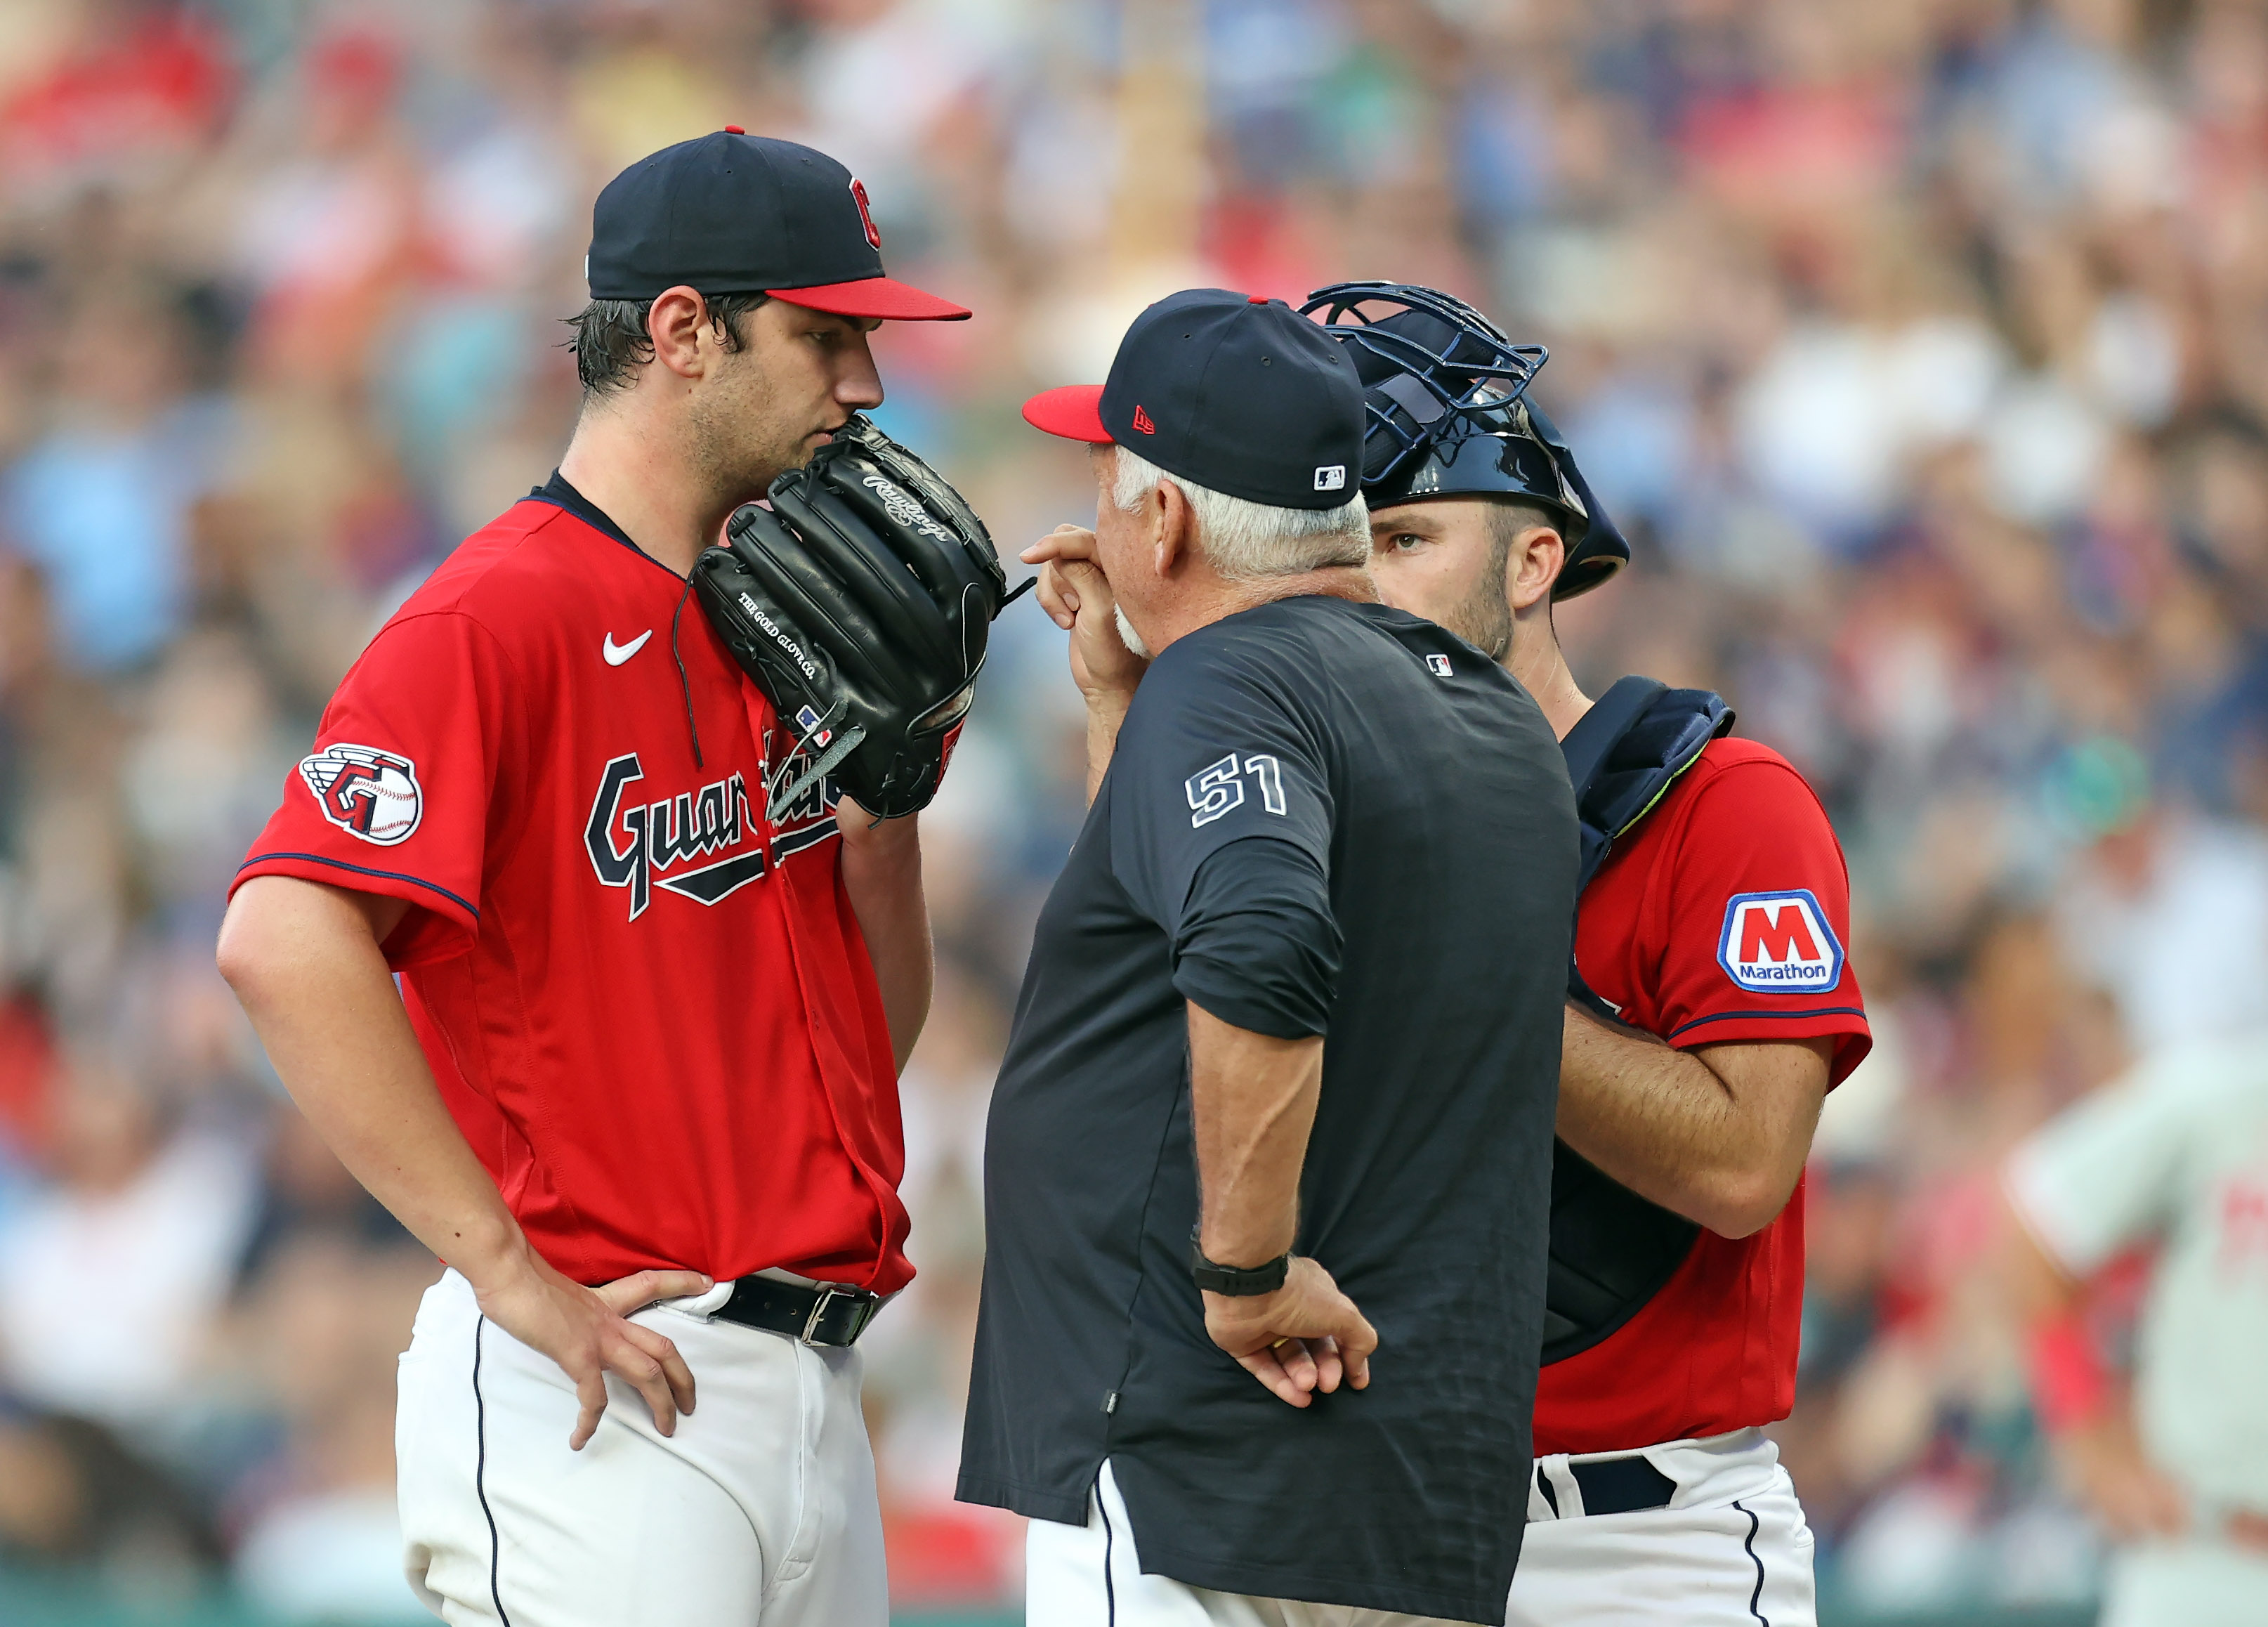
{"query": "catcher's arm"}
[(1719, 1134), (882, 873), (1076, 594)]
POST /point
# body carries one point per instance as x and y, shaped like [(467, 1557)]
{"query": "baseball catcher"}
[(859, 601), (1710, 1008)]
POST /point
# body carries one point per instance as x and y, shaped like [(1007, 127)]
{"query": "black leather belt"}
[(829, 1314), (1614, 1486)]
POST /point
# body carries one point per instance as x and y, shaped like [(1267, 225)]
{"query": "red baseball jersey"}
[(1724, 917), (642, 989)]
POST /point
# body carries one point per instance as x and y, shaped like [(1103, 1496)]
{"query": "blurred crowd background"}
[(1922, 349)]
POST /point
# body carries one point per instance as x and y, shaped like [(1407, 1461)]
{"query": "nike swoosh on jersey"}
[(616, 654)]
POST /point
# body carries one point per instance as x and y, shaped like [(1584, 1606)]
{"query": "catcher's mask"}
[(1445, 414)]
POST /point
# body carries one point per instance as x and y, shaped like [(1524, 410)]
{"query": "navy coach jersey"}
[(1426, 787)]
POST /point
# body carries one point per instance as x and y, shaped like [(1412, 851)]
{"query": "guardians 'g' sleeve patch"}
[(365, 793), (1779, 943)]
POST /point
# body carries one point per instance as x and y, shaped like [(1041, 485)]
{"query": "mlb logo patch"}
[(1438, 665), (1779, 943), (1330, 477), (808, 720)]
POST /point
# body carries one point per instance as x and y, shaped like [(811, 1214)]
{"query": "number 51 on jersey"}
[(1214, 791)]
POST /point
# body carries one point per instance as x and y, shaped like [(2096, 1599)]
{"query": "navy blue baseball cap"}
[(733, 213), (1236, 392)]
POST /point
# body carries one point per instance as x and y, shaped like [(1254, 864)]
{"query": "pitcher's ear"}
[(673, 325)]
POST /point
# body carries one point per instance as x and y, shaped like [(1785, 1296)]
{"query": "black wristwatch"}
[(1237, 1281)]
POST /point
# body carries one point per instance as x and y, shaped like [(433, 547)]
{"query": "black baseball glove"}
[(860, 601)]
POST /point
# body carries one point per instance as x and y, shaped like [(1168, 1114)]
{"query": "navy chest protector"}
[(1612, 1250)]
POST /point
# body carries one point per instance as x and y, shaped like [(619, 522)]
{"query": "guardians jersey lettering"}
[(578, 880), (659, 834), (655, 835)]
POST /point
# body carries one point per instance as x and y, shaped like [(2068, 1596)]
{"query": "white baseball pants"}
[(761, 1509), (1091, 1576), (1730, 1550)]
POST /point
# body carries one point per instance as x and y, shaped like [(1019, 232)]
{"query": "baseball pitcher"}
[(639, 1085)]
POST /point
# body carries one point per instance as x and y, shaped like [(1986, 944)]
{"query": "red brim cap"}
[(883, 297), (1074, 412)]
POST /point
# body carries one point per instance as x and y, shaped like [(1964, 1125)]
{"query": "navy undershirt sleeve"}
[(1256, 944)]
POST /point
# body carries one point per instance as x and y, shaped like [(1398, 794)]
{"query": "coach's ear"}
[(1175, 547)]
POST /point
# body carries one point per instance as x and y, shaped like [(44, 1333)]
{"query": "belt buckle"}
[(828, 1292), (827, 1295)]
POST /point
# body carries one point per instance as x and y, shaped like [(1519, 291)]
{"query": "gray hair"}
[(1245, 540)]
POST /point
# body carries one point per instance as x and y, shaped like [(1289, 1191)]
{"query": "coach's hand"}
[(585, 1332), (1076, 596), (1302, 1338)]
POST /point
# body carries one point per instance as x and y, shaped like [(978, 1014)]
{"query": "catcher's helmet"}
[(1447, 414)]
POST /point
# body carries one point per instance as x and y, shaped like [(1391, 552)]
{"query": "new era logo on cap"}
[(1331, 477), (1141, 422)]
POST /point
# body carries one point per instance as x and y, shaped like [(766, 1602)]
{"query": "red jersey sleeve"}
[(395, 798), (1756, 920)]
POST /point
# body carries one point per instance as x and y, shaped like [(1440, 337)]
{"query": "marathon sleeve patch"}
[(1779, 943), (1736, 930)]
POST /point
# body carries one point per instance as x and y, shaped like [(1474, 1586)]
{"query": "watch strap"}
[(1237, 1281)]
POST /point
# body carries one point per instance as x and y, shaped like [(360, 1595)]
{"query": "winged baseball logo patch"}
[(1779, 943), (366, 792)]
